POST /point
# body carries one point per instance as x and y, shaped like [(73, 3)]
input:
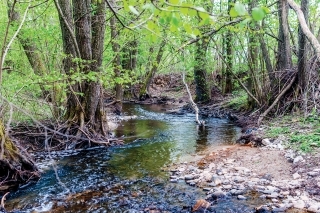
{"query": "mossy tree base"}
[(16, 167)]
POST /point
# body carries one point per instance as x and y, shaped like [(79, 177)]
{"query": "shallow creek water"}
[(130, 178)]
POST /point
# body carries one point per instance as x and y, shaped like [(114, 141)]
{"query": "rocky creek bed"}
[(283, 180)]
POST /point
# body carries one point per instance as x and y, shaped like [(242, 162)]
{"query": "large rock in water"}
[(16, 166)]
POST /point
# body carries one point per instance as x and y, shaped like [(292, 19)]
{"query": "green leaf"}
[(126, 6), (184, 11), (204, 15), (258, 14), (133, 10), (175, 21), (266, 10), (151, 25), (233, 13), (188, 28), (173, 28), (174, 2), (193, 12), (240, 9), (196, 32)]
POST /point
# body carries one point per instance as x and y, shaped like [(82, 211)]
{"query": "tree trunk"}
[(145, 90), (83, 38), (16, 167), (303, 52), (305, 29), (200, 72), (284, 60), (229, 57), (254, 85), (266, 57)]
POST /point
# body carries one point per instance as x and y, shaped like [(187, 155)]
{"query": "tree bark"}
[(303, 52), (83, 36), (200, 72), (266, 57), (145, 90), (284, 60), (229, 57), (305, 29)]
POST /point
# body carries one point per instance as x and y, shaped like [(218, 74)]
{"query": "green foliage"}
[(238, 101), (306, 141), (276, 131)]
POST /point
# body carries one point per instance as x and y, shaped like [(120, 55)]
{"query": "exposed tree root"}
[(61, 136), (16, 166)]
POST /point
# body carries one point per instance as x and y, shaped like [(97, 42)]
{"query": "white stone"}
[(304, 198), (296, 176), (299, 204), (313, 208), (266, 141), (298, 159)]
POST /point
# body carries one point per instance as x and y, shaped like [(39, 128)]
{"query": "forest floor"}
[(285, 176)]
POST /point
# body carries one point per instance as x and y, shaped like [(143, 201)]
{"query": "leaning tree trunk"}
[(305, 29), (145, 89), (16, 167)]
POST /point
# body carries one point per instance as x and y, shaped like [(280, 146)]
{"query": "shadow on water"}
[(130, 178)]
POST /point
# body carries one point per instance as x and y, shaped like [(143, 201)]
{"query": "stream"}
[(130, 178)]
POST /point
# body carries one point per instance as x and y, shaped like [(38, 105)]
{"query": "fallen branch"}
[(2, 202), (194, 105), (261, 117)]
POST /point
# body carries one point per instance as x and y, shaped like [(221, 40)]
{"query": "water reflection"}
[(155, 139), (202, 140)]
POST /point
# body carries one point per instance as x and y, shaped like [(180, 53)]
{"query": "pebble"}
[(273, 195), (241, 197), (313, 208), (189, 177), (296, 176), (218, 194), (297, 159), (266, 142), (299, 204), (312, 174)]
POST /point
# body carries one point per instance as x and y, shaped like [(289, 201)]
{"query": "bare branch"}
[(5, 51)]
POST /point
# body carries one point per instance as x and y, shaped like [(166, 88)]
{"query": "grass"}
[(275, 131), (303, 133), (238, 101)]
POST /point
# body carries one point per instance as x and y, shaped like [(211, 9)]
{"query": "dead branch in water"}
[(2, 202), (194, 105)]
